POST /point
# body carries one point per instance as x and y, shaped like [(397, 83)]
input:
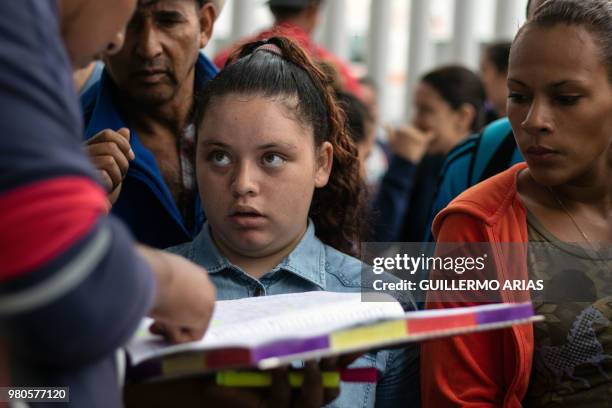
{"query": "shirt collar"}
[(307, 260)]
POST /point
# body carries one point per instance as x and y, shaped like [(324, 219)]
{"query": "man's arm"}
[(72, 287)]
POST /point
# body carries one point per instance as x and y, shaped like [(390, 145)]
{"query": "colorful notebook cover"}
[(410, 327)]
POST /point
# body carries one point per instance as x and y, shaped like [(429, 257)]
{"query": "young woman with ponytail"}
[(281, 187)]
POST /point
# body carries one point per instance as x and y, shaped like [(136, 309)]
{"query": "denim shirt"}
[(313, 266)]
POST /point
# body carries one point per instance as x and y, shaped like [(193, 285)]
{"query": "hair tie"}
[(273, 48)]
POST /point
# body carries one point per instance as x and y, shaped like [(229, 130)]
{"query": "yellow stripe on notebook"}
[(330, 379), (183, 364), (386, 331)]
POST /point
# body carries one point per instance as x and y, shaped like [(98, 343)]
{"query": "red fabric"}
[(300, 36), (41, 220), (489, 369)]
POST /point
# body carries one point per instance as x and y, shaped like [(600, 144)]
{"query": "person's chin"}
[(253, 248), (546, 176), (250, 240), (81, 62), (251, 236), (152, 96)]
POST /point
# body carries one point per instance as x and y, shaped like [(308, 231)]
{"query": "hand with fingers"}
[(111, 153), (185, 297), (410, 143), (197, 392), (312, 394)]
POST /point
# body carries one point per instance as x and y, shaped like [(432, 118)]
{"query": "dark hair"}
[(499, 53), (357, 115), (532, 7), (594, 15), (528, 8), (332, 74), (284, 13), (288, 74), (458, 85)]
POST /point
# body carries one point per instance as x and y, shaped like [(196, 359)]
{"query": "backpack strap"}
[(492, 138), (501, 159)]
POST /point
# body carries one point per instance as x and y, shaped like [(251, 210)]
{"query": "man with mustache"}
[(138, 119)]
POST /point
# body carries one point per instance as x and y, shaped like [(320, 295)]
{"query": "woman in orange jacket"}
[(560, 108)]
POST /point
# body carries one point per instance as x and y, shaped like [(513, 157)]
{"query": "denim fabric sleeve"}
[(393, 200), (399, 385)]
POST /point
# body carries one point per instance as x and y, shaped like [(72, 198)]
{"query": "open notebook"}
[(266, 332)]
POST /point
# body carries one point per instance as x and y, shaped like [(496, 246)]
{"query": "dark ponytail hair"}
[(458, 85), (498, 54), (279, 69), (358, 117)]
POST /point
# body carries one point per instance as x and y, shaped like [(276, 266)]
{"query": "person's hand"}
[(410, 143), (280, 394), (197, 392), (111, 154), (312, 394), (185, 297)]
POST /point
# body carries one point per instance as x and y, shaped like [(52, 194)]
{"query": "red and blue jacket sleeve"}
[(72, 288)]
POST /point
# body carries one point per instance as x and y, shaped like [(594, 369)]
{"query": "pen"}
[(331, 379)]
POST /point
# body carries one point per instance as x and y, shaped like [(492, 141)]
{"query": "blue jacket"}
[(472, 161), (145, 203), (404, 199), (313, 266), (94, 77)]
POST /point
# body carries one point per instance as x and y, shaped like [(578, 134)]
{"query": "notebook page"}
[(249, 322)]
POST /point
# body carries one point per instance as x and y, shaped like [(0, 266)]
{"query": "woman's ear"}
[(207, 16), (466, 114), (325, 159)]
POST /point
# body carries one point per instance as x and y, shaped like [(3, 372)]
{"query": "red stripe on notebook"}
[(440, 323), (228, 357)]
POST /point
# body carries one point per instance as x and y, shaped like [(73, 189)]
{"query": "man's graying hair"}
[(593, 15)]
